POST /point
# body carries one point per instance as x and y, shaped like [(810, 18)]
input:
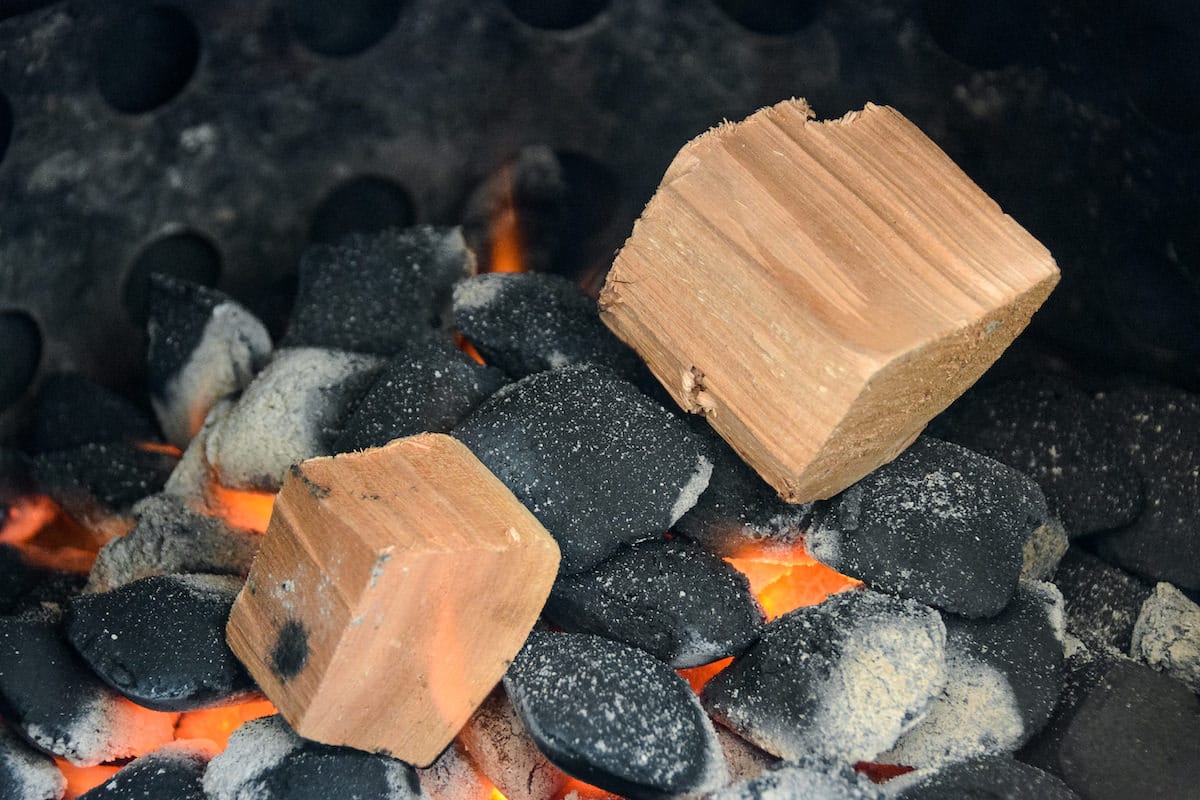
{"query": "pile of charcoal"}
[(1022, 623)]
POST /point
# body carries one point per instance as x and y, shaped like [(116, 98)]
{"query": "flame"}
[(507, 250), (48, 538), (465, 345), (497, 794), (216, 724), (241, 508), (159, 447), (784, 580), (81, 780), (26, 517), (698, 676)]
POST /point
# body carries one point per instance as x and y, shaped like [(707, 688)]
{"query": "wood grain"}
[(819, 291), (392, 590)]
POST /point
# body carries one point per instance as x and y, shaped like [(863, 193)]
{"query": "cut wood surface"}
[(392, 589), (819, 291)]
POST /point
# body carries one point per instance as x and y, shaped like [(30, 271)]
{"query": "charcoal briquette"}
[(1166, 635), (106, 477), (1044, 551), (496, 740), (160, 641), (614, 716), (1102, 601), (174, 771), (810, 779), (372, 293), (24, 586), (672, 599), (595, 460), (428, 386), (203, 346), (26, 774), (990, 778), (940, 524), (454, 776), (842, 679), (72, 411), (266, 760), (531, 322)]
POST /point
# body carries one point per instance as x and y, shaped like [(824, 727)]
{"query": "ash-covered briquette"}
[(454, 776), (614, 716), (24, 586), (71, 411), (1044, 551), (53, 699), (174, 771), (940, 524), (428, 386), (496, 740), (202, 347), (1055, 434), (1102, 602), (266, 760), (810, 779), (743, 760), (842, 679), (992, 778), (287, 415), (160, 641), (531, 322), (372, 293), (739, 511), (672, 599), (594, 459), (1160, 428), (1167, 635), (26, 774), (170, 539), (1004, 676)]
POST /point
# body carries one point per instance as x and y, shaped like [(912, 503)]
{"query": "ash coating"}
[(174, 771), (614, 716), (940, 524), (810, 779), (994, 778), (843, 679), (1167, 635), (1102, 602), (530, 322), (290, 653), (672, 599), (596, 461), (26, 774)]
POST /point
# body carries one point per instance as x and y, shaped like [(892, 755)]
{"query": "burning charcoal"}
[(614, 716), (844, 678), (1004, 675), (809, 779), (529, 322), (266, 760), (596, 461), (26, 774), (174, 771), (160, 641), (743, 760), (371, 294), (940, 524), (495, 739), (429, 386), (285, 416), (1161, 429), (454, 777), (24, 586), (672, 599), (1044, 550), (55, 701), (994, 778), (1167, 635), (739, 511), (1054, 433), (169, 538), (203, 347), (1125, 731), (1102, 602), (72, 411)]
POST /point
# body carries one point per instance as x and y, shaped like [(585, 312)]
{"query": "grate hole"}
[(343, 28), (185, 254), (772, 17), (6, 125), (146, 58), (985, 34), (20, 354), (555, 15), (365, 204)]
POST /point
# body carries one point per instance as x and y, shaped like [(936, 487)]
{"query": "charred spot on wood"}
[(317, 490), (290, 653)]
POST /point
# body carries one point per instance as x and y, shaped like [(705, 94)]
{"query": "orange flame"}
[(159, 447), (507, 250), (697, 677), (241, 508), (786, 580), (465, 345), (48, 538), (81, 780)]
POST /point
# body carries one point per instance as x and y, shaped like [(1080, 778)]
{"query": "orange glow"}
[(159, 447), (216, 724), (240, 508), (507, 251), (83, 779), (26, 517), (497, 794), (48, 538), (583, 791), (698, 676), (465, 345), (881, 773), (784, 580)]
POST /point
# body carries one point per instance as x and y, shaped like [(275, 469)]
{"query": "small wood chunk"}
[(392, 590), (819, 291)]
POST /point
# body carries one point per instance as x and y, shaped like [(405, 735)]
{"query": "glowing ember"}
[(698, 676), (216, 724), (465, 345), (48, 538), (497, 794), (160, 447), (26, 517), (242, 509), (83, 779), (786, 580), (583, 791), (507, 246)]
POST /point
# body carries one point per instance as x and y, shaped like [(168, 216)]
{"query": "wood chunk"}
[(819, 291), (391, 591)]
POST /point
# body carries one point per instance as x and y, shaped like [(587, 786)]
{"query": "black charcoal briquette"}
[(1102, 601), (71, 411), (993, 778), (172, 772)]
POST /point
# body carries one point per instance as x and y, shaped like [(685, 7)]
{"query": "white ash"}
[(743, 760), (107, 728), (193, 475), (286, 414), (26, 774), (1045, 548), (809, 779), (692, 490), (233, 347), (497, 741), (1167, 635), (255, 748), (479, 292), (169, 538), (453, 777)]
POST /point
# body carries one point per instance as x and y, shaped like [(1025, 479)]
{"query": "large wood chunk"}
[(393, 588), (819, 291)]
